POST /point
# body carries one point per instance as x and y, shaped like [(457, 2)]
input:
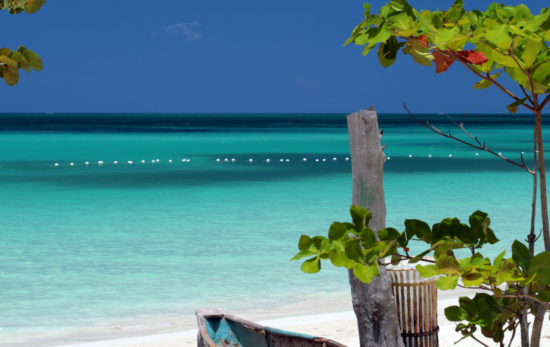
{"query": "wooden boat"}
[(218, 329)]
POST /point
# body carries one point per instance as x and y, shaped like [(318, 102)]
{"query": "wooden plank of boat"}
[(219, 329)]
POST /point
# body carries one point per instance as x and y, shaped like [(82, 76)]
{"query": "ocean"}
[(92, 251)]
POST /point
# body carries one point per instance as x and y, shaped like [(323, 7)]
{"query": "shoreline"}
[(340, 326)]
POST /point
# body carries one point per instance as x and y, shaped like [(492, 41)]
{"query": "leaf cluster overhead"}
[(501, 39), (22, 58)]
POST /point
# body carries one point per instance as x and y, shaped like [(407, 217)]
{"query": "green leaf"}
[(539, 261), (543, 276), (10, 70), (483, 84), (32, 6), (368, 239), (542, 72), (360, 217), (401, 21), (311, 266), (521, 256), (538, 88), (301, 255), (426, 271), (498, 262), (384, 61), (504, 60), (34, 60), (339, 258), (522, 15), (454, 14), (419, 257), (361, 39), (498, 34), (544, 296), (513, 107), (354, 251), (424, 21), (535, 24), (455, 313), (363, 272), (531, 51), (446, 35), (337, 230), (379, 34), (447, 282), (20, 59), (304, 243), (448, 265), (388, 234), (517, 75)]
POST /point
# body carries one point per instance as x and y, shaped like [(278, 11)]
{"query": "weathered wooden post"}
[(373, 303)]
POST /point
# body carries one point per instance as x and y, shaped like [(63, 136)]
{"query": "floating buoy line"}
[(229, 160)]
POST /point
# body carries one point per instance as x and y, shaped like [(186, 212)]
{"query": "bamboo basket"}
[(416, 299)]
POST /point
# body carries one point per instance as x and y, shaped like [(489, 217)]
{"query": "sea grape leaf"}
[(521, 256), (448, 265), (311, 266), (539, 261), (32, 6), (301, 255), (10, 70), (504, 60), (368, 239), (453, 14), (383, 59), (363, 272), (447, 282), (426, 271), (498, 33), (473, 57), (354, 252), (544, 296), (442, 63), (337, 230), (34, 60), (483, 84), (455, 313), (531, 51), (20, 59), (304, 243)]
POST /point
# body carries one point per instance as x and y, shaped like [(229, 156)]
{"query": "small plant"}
[(515, 286)]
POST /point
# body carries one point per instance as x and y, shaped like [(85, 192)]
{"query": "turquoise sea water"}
[(90, 251)]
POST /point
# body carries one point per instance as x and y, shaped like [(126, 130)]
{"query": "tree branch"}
[(479, 146), (473, 337)]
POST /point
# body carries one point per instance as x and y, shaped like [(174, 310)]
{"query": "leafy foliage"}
[(12, 61), (504, 39), (511, 282)]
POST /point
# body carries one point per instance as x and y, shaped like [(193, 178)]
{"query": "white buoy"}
[(250, 160), (410, 156), (217, 159), (287, 160), (499, 153), (268, 160), (347, 158), (152, 161), (389, 158), (72, 164), (116, 162), (188, 160), (170, 160), (232, 159), (477, 154), (282, 160), (450, 155), (56, 164), (226, 159), (324, 160), (522, 152), (316, 159), (430, 155), (157, 160), (143, 161), (304, 159), (130, 162), (87, 163), (333, 158), (100, 162)]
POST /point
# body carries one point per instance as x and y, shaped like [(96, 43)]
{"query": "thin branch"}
[(526, 95), (473, 337), (504, 308), (546, 100), (480, 146), (528, 297)]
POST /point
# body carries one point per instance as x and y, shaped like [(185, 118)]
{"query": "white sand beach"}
[(340, 326)]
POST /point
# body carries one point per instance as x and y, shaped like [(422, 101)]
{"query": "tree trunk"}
[(542, 171), (524, 325), (373, 303), (537, 324)]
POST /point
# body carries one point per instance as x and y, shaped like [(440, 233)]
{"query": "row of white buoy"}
[(269, 160), (129, 162)]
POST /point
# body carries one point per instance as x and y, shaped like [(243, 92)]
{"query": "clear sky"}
[(241, 56)]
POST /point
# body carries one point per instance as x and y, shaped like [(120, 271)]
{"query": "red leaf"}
[(469, 56), (421, 40), (442, 63)]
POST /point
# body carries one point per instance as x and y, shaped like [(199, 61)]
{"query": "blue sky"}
[(242, 56)]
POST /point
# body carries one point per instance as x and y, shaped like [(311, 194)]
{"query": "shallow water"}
[(134, 246)]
